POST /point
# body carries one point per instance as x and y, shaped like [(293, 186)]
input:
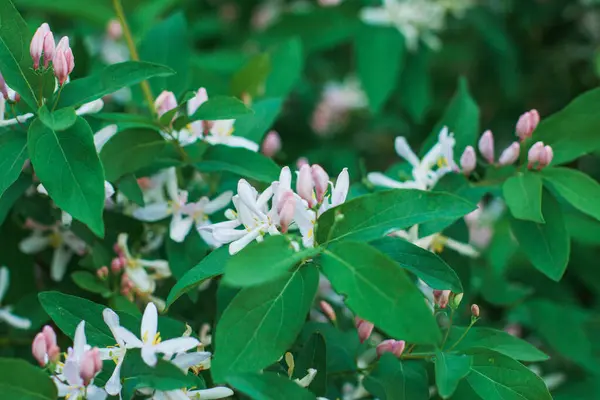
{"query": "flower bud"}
[(468, 160), (527, 124), (321, 181), (90, 365), (49, 48), (114, 29), (38, 349), (304, 185), (195, 102), (475, 310), (455, 300), (510, 154), (441, 298), (272, 144), (486, 146), (102, 272), (49, 336), (301, 161), (116, 265), (534, 154), (165, 102), (36, 46), (546, 157), (63, 60), (327, 310), (364, 328), (395, 347), (286, 208)]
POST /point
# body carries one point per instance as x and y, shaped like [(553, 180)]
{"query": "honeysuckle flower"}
[(115, 353), (219, 392), (527, 124), (468, 160), (63, 60), (427, 171), (104, 135), (486, 146), (364, 328), (42, 42), (69, 382), (221, 132), (150, 341), (436, 242), (396, 347), (307, 379), (165, 102), (539, 155), (183, 214), (93, 107), (6, 314), (64, 242), (251, 211), (44, 347), (272, 144), (415, 19), (337, 100), (510, 154), (135, 268), (475, 310), (9, 95)]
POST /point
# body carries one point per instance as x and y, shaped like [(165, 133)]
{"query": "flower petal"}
[(176, 345), (218, 392), (34, 243), (244, 241), (14, 320), (153, 212), (149, 355), (218, 202), (60, 260), (4, 281), (131, 341), (180, 227), (149, 325), (113, 385)]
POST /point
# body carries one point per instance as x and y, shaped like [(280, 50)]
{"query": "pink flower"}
[(441, 298), (321, 181), (42, 42), (44, 347), (396, 347), (272, 144), (165, 102), (63, 60), (510, 154), (364, 328), (527, 124)]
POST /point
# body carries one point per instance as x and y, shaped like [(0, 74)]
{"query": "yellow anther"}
[(55, 240), (157, 338)]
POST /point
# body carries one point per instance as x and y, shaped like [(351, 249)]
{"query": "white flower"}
[(218, 392), (64, 242), (307, 380), (222, 133), (104, 135), (415, 19), (93, 107), (183, 214), (150, 341), (252, 212), (6, 314), (69, 383), (437, 242), (19, 119), (427, 171), (115, 353), (135, 268)]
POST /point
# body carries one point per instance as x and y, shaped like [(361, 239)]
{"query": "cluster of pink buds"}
[(165, 102), (127, 285), (527, 124), (44, 347), (91, 365), (272, 144), (102, 272), (312, 184), (61, 55), (364, 328), (508, 155), (396, 347), (441, 298), (539, 155), (328, 310)]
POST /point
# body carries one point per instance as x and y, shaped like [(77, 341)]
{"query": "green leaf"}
[(249, 164), (263, 262), (13, 154), (479, 339), (393, 379), (449, 370), (68, 166), (210, 266), (221, 107), (580, 190), (128, 185), (416, 94), (15, 62), (374, 215), (378, 290), (21, 380), (523, 196), (58, 120), (379, 58), (547, 245), (570, 131), (313, 355), (10, 195), (426, 265), (97, 12), (90, 282), (268, 386), (254, 126), (287, 63), (497, 377), (461, 117), (262, 322), (109, 80), (251, 78), (129, 151), (341, 346), (167, 43)]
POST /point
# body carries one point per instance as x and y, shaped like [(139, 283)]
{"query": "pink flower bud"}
[(527, 124), (468, 160), (321, 181), (475, 310), (116, 265), (301, 161), (63, 60), (510, 154), (49, 47), (305, 184), (272, 144), (38, 349), (534, 154), (441, 298), (486, 146), (195, 102), (102, 273), (546, 157), (286, 208), (37, 44), (3, 87), (90, 365), (395, 347), (117, 249), (364, 328), (165, 102), (327, 310), (49, 336), (114, 30)]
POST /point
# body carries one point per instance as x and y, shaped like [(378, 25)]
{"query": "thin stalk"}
[(133, 53), (462, 336), (448, 330)]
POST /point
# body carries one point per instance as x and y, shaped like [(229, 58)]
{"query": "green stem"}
[(58, 96), (460, 339), (416, 356), (448, 330), (133, 53)]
